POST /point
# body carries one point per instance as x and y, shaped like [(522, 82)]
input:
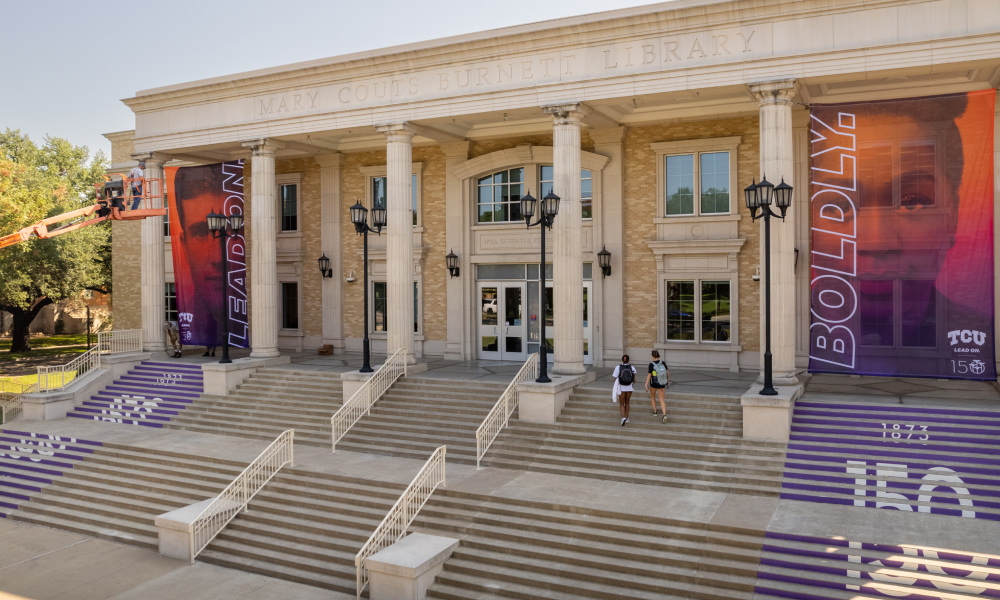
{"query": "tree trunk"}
[(20, 331)]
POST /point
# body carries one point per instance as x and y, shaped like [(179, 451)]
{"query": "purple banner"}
[(901, 198), (194, 193)]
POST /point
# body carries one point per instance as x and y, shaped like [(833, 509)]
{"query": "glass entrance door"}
[(502, 328), (588, 336)]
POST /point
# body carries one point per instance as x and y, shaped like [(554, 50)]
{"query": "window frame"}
[(170, 293), (698, 284), (298, 305), (697, 148), (279, 182), (416, 194), (373, 309)]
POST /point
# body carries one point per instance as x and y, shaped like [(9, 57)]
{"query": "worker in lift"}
[(135, 176)]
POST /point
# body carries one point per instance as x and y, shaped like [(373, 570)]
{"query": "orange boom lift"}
[(114, 200)]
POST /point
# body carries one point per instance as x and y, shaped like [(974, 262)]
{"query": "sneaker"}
[(624, 420), (654, 413), (664, 419)]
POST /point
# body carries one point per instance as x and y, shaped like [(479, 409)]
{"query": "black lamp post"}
[(759, 196), (223, 227), (324, 266), (359, 216), (547, 214), (451, 260)]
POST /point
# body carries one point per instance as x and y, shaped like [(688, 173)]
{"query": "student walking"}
[(657, 381), (624, 374)]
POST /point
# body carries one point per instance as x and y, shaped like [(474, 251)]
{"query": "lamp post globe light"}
[(359, 216), (547, 214), (759, 197), (223, 227)]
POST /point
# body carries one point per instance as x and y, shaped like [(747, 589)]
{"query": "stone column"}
[(777, 162), (330, 244), (153, 279), (567, 238), (263, 250), (399, 246), (456, 224), (609, 232)]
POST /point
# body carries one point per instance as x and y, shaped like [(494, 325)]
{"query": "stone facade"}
[(634, 85)]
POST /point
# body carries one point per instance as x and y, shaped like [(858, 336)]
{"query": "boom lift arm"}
[(111, 198)]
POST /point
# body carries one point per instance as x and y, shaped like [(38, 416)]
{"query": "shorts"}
[(655, 386)]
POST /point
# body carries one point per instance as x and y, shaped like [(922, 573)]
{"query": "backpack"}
[(625, 374), (660, 370)]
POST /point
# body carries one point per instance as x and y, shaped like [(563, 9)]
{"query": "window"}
[(289, 305), (546, 179), (288, 188), (695, 178), (499, 196), (690, 303), (380, 307), (166, 219), (171, 301), (898, 174), (380, 190), (289, 206)]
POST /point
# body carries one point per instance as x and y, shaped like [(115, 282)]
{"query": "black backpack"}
[(625, 374)]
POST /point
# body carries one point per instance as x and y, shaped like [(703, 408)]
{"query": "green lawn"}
[(53, 340), (55, 345)]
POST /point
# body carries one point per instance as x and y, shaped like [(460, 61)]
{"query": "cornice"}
[(679, 17)]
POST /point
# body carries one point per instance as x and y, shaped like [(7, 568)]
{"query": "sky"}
[(70, 62)]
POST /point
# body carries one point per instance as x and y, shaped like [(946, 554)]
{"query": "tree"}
[(38, 182)]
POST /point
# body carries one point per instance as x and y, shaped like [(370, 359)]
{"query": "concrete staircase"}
[(419, 414), (151, 395), (523, 549), (700, 447), (112, 491), (30, 463), (267, 403), (305, 527), (921, 459)]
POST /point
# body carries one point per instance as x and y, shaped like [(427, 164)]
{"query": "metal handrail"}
[(234, 499), (361, 402), (10, 399), (398, 520), (108, 342), (499, 416)]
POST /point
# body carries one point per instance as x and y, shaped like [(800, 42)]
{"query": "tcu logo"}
[(967, 336)]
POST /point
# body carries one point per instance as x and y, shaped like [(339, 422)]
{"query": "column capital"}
[(564, 113), (396, 132), (262, 145), (774, 91), (155, 159)]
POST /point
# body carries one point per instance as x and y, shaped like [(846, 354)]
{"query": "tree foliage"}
[(38, 182)]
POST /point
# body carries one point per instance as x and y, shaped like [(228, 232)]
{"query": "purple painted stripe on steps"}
[(901, 409), (14, 496), (170, 367), (874, 419), (836, 463), (920, 585), (30, 469), (147, 390), (789, 594), (860, 437), (7, 441), (943, 555), (849, 501), (848, 479), (892, 454), (111, 420), (35, 459), (51, 438), (176, 402), (861, 428), (916, 595), (9, 505), (991, 451), (25, 477), (5, 481), (120, 406), (121, 414), (180, 385), (3, 515)]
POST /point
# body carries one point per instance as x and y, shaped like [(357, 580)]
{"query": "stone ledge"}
[(220, 378), (405, 570), (769, 418)]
